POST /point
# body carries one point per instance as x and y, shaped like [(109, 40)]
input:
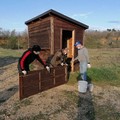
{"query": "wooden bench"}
[(40, 80)]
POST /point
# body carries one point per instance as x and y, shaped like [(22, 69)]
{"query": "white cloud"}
[(101, 28), (81, 15), (114, 21)]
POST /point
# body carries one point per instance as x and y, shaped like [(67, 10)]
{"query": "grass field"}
[(105, 67), (64, 101)]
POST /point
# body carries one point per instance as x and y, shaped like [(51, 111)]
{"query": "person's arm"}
[(23, 58), (86, 55), (22, 61), (76, 58), (63, 58), (57, 58), (41, 61)]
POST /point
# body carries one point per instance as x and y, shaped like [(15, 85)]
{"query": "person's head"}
[(78, 45), (65, 51), (36, 49)]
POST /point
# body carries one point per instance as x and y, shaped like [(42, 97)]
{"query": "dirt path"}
[(63, 102)]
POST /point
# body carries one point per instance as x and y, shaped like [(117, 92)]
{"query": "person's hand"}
[(24, 72), (66, 64), (48, 68), (88, 65), (62, 64), (72, 60)]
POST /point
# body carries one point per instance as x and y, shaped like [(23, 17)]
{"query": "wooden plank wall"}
[(37, 81), (39, 33), (60, 25)]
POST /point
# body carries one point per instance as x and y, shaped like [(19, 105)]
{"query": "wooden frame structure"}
[(40, 80)]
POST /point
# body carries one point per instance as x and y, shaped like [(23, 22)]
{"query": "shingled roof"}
[(53, 12)]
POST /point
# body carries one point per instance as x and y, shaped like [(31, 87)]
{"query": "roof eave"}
[(59, 15)]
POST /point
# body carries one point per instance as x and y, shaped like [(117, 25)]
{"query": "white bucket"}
[(90, 87), (82, 86)]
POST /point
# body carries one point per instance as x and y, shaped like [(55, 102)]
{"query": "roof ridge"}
[(59, 15)]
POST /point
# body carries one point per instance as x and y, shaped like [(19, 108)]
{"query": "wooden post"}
[(52, 35), (73, 49)]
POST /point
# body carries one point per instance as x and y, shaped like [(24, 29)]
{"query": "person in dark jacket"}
[(28, 57), (59, 58)]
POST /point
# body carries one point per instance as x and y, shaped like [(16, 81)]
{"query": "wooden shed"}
[(53, 31)]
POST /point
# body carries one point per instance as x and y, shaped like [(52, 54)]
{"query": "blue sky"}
[(97, 14)]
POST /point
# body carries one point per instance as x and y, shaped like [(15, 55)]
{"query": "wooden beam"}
[(52, 35), (61, 38), (73, 49)]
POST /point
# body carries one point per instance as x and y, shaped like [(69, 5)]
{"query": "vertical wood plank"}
[(52, 35), (73, 49)]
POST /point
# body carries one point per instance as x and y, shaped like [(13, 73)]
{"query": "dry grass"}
[(63, 102)]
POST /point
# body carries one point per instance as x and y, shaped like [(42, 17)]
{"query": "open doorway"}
[(67, 41)]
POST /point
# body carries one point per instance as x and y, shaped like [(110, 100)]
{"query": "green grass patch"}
[(99, 75), (10, 52), (73, 78), (104, 75)]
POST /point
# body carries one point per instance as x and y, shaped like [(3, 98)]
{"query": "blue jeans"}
[(83, 70)]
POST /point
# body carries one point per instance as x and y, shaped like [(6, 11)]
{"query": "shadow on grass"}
[(4, 61), (85, 104), (89, 80), (6, 94), (85, 107)]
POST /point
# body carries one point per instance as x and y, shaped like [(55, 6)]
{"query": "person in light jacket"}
[(83, 59)]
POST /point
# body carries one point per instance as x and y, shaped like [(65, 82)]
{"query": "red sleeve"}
[(23, 59)]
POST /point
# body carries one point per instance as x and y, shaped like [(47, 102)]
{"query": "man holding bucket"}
[(83, 59)]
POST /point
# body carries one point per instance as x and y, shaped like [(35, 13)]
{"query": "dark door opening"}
[(66, 35), (67, 43)]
